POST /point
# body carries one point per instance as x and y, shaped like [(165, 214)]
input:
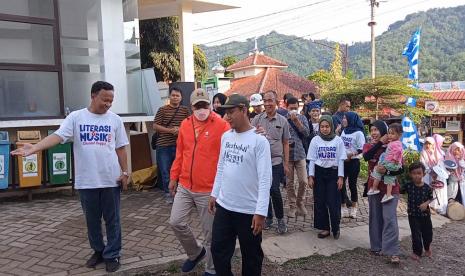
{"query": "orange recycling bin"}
[(29, 167)]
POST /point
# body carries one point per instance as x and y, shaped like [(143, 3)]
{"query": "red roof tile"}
[(272, 79), (449, 95), (256, 60)]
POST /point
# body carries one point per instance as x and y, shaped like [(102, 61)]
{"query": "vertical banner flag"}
[(411, 51), (410, 139)]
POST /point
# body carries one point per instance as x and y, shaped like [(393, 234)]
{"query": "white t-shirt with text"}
[(95, 138), (243, 178), (326, 154), (353, 143)]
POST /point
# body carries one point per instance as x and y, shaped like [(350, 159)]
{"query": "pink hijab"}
[(450, 156), (439, 139), (431, 159)]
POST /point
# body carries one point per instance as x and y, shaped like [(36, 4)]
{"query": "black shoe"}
[(189, 265), (112, 265), (337, 235), (323, 234), (94, 260)]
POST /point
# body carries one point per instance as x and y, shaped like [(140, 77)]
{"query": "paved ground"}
[(48, 235)]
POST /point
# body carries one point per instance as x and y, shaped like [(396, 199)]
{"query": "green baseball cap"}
[(235, 100)]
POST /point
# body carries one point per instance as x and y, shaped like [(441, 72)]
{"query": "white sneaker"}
[(353, 212), (386, 198), (373, 192), (344, 212)]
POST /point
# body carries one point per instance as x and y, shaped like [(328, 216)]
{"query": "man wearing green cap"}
[(241, 191)]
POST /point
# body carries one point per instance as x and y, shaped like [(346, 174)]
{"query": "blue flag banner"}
[(411, 102), (411, 51), (410, 138)]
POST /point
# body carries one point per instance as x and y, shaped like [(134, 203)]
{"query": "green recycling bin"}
[(59, 163)]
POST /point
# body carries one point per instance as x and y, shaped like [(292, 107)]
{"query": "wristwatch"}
[(125, 173)]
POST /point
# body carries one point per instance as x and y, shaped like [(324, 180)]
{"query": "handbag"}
[(155, 136)]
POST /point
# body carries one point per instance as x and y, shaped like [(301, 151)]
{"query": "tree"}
[(160, 49), (336, 66), (384, 92), (226, 62)]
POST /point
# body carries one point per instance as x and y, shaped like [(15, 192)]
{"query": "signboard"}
[(30, 166), (2, 166), (454, 108), (432, 106), (59, 163), (453, 125), (450, 138)]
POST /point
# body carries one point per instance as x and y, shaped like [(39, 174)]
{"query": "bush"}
[(409, 156)]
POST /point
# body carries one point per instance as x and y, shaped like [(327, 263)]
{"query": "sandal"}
[(395, 260)]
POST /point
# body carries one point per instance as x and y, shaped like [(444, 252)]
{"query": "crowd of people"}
[(231, 157)]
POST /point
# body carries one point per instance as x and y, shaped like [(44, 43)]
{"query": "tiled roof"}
[(272, 79), (450, 95), (256, 59)]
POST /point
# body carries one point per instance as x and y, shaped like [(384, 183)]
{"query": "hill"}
[(442, 53)]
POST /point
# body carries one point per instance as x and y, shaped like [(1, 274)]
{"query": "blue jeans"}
[(98, 203), (165, 158)]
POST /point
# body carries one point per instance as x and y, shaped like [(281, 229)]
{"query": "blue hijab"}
[(354, 123)]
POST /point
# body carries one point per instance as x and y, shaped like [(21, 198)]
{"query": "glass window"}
[(32, 8), (29, 94), (26, 43)]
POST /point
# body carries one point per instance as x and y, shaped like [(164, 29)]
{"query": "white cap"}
[(256, 99)]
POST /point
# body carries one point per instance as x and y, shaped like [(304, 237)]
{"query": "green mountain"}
[(442, 52)]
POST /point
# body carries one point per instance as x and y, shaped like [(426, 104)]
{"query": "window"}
[(30, 60)]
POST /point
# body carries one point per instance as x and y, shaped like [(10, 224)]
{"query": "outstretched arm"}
[(44, 144)]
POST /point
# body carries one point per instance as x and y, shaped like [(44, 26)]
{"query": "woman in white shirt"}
[(354, 139), (326, 174)]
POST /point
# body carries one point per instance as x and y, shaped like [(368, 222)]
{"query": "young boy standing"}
[(419, 216)]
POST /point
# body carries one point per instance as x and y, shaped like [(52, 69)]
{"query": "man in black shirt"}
[(420, 196)]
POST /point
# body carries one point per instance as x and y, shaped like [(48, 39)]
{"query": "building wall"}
[(248, 72), (90, 40)]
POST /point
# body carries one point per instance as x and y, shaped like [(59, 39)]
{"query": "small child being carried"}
[(391, 160)]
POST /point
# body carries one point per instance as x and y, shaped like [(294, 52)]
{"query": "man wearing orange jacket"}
[(192, 176)]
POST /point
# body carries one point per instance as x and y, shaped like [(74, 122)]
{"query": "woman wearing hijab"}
[(430, 156), (383, 228), (313, 113), (218, 100), (354, 139), (326, 173), (456, 153)]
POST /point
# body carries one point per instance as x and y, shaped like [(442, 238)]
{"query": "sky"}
[(344, 21)]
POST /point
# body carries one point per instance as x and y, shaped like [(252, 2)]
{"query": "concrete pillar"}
[(114, 55), (186, 43)]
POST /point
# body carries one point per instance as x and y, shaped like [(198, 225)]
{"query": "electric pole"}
[(374, 4)]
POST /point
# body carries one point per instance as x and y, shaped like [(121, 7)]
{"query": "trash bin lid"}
[(28, 135)]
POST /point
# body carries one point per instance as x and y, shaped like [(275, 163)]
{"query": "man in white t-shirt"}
[(100, 161), (241, 191)]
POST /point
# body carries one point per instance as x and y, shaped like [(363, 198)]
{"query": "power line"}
[(268, 26), (277, 19), (289, 23), (261, 16), (332, 28)]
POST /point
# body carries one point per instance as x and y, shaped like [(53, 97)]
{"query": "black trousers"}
[(327, 199), (227, 226), (351, 172), (422, 233), (276, 199)]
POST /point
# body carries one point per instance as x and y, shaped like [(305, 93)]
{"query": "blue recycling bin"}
[(4, 159)]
